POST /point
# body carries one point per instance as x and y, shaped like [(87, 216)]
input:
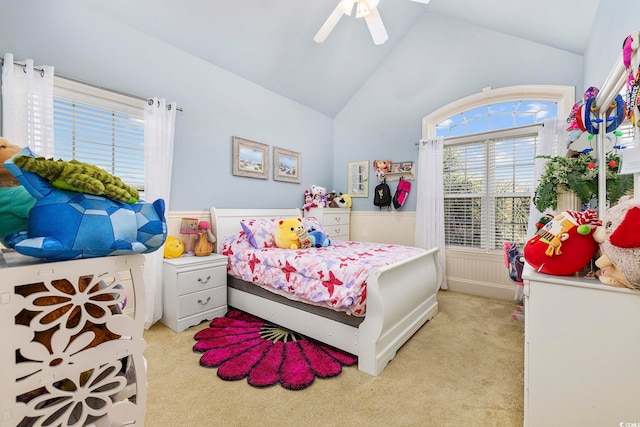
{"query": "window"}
[(488, 185), (490, 141), (100, 127)]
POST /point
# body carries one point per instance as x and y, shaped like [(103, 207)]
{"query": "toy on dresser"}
[(65, 224), (206, 239), (619, 239), (563, 245)]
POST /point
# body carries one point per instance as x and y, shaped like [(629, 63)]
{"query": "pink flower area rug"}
[(243, 346)]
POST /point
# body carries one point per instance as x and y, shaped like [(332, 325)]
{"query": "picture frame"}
[(250, 158), (286, 165), (406, 166)]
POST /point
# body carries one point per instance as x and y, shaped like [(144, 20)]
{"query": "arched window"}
[(489, 152)]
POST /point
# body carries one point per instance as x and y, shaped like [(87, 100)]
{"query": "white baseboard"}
[(482, 289)]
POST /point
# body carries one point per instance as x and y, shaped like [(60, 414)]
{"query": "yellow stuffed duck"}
[(173, 247)]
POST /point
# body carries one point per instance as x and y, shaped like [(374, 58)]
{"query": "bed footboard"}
[(400, 299)]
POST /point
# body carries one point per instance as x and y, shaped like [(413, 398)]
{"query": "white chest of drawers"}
[(581, 352), (335, 221), (195, 289)]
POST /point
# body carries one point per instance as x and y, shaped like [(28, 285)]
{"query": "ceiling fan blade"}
[(376, 27), (330, 23), (422, 1)]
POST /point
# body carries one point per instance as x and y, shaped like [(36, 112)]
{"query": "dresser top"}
[(530, 275)]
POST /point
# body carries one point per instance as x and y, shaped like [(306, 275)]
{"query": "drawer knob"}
[(206, 302), (205, 281), (337, 219)]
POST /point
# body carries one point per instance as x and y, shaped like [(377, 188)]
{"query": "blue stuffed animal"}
[(65, 225), (318, 238)]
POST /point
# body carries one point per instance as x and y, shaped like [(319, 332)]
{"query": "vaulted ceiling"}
[(270, 42)]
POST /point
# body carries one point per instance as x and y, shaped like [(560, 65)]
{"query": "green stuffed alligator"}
[(80, 177)]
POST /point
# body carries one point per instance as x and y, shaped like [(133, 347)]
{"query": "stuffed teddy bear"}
[(287, 233), (319, 195), (565, 244), (15, 200), (619, 240), (65, 225), (80, 177)]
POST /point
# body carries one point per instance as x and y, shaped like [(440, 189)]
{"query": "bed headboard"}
[(225, 222)]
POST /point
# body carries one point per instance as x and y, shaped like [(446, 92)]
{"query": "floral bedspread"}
[(334, 276)]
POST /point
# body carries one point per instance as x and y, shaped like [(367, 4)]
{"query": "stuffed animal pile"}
[(619, 240), (65, 224), (318, 197), (291, 234)]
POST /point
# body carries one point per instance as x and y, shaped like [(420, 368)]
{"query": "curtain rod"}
[(149, 100)]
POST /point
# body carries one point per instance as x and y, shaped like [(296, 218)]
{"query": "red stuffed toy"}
[(564, 245)]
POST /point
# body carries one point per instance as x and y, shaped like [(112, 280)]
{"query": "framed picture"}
[(286, 165), (406, 166), (250, 158), (396, 167)]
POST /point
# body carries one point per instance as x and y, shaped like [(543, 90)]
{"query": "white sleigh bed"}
[(400, 299)]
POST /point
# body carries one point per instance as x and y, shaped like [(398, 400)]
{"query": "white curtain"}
[(552, 140), (27, 105), (159, 126), (430, 200)]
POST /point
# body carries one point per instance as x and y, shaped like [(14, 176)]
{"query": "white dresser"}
[(582, 352), (334, 220), (195, 289)]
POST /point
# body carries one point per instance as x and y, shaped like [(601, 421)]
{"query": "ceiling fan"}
[(365, 8)]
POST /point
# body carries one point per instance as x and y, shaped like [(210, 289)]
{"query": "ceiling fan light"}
[(362, 9)]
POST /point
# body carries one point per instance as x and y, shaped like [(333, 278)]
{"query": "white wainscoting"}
[(383, 227), (469, 272), (479, 273)]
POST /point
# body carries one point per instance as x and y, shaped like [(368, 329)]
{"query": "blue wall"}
[(439, 61), (217, 104), (615, 20)]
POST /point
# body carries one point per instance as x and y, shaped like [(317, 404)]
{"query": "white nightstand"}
[(195, 289)]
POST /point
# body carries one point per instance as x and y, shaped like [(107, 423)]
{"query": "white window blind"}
[(100, 127), (487, 189)]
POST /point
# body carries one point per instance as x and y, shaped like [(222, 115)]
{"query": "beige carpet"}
[(463, 368)]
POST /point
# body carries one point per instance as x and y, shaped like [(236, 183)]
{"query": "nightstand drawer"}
[(198, 280), (330, 219), (201, 301)]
